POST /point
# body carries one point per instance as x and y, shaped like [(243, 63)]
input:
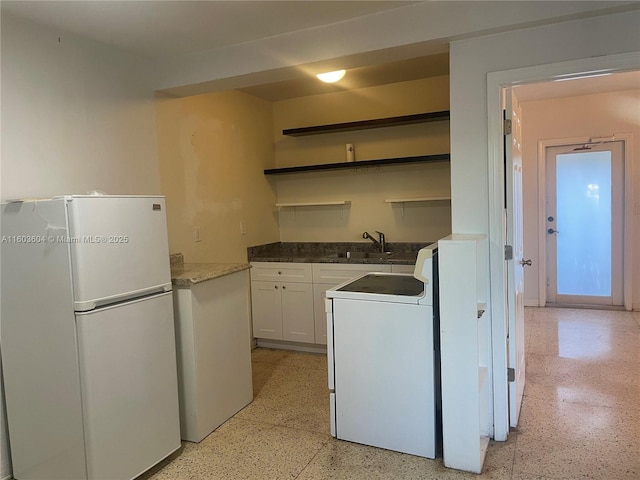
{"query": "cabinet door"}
[(297, 312), (319, 315), (267, 310)]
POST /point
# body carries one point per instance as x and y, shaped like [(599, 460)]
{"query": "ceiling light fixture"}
[(331, 77)]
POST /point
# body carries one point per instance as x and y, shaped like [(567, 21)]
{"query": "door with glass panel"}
[(584, 224)]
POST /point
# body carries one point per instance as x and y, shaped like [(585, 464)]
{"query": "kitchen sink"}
[(382, 256)]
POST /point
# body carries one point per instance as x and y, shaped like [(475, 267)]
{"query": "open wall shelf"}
[(443, 157), (367, 124)]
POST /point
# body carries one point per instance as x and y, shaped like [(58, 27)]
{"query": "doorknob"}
[(551, 230), (524, 262)]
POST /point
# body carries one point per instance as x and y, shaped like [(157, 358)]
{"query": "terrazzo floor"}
[(580, 417)]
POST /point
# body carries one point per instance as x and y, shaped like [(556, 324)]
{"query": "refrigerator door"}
[(129, 386), (119, 248)]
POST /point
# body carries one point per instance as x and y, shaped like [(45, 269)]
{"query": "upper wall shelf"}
[(443, 157), (367, 124)]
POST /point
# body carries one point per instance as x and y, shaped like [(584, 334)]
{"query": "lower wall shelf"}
[(421, 199), (313, 204)]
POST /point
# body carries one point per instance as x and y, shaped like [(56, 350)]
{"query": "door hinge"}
[(508, 252), (511, 374), (506, 126)]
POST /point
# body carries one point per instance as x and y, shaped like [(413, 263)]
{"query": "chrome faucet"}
[(381, 243)]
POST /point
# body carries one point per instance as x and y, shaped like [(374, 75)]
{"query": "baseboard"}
[(614, 308), (299, 347)]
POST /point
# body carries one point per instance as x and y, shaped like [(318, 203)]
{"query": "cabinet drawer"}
[(281, 272), (336, 273)]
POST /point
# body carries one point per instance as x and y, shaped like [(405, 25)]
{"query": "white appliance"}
[(214, 352), (88, 341), (383, 360)]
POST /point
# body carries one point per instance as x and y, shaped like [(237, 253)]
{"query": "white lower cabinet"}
[(328, 275), (288, 298), (282, 310), (213, 351)]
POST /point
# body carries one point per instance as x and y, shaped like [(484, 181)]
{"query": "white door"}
[(514, 267), (584, 224), (129, 386)]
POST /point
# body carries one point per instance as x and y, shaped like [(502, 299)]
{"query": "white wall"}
[(76, 116), (470, 62), (213, 152), (365, 188), (600, 115)]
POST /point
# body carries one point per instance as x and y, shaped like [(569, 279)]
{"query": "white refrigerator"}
[(88, 339)]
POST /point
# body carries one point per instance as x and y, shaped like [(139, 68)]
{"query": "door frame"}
[(497, 307), (627, 214)]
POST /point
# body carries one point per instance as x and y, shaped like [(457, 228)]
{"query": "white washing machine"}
[(384, 360)]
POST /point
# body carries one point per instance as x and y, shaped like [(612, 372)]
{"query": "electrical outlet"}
[(196, 234), (243, 228)]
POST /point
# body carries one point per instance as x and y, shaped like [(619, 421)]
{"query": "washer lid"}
[(385, 284)]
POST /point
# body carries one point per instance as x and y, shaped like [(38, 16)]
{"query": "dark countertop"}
[(335, 252)]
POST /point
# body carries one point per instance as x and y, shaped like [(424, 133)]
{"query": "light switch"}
[(196, 234), (243, 228)]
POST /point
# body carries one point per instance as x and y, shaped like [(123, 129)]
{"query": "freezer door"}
[(129, 386), (119, 248)]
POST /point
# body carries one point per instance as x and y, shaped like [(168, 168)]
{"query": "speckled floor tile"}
[(528, 476), (315, 361), (245, 450), (346, 460), (611, 384), (594, 341), (293, 397), (575, 441), (586, 315), (267, 355)]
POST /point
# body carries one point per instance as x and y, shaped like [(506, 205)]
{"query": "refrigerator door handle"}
[(94, 303)]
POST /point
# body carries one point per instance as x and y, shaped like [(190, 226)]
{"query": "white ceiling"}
[(578, 86), (159, 28), (165, 29)]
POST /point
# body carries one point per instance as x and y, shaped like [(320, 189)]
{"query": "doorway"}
[(584, 224), (496, 82)]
